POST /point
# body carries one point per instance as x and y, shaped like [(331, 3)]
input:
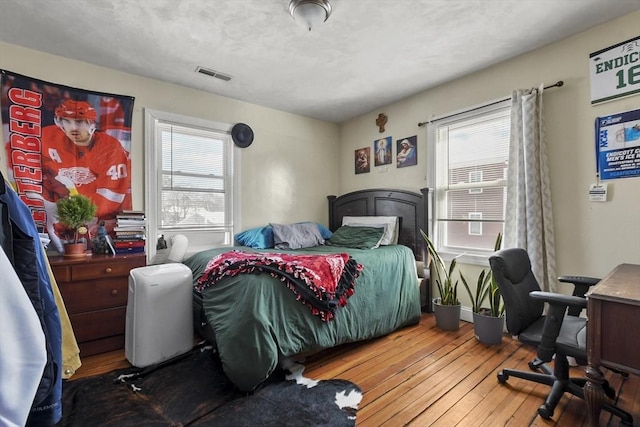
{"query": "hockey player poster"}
[(62, 141), (618, 145)]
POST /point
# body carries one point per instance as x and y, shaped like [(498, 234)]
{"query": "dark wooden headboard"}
[(412, 209)]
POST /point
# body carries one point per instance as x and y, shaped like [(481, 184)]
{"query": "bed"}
[(256, 322)]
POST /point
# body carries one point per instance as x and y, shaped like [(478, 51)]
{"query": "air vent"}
[(213, 73)]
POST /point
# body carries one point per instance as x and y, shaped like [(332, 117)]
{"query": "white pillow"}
[(390, 224)]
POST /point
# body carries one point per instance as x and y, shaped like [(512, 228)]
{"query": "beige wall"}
[(591, 238), (279, 171)]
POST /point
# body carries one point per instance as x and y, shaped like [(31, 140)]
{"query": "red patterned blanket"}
[(321, 282)]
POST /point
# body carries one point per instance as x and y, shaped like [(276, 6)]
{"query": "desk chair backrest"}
[(511, 270)]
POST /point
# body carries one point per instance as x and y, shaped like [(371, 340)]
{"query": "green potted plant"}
[(446, 307), (488, 323), (74, 212)]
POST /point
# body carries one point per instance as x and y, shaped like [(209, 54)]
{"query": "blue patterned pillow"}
[(262, 237), (257, 238), (324, 231)]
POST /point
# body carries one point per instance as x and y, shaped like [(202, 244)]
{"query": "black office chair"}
[(555, 333)]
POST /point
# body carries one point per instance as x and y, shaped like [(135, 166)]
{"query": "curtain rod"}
[(559, 83)]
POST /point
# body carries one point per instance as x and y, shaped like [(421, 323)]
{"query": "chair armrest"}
[(559, 300), (558, 304), (582, 280), (581, 285)]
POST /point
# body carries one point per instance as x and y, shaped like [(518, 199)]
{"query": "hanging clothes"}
[(23, 354), (70, 350), (21, 243)]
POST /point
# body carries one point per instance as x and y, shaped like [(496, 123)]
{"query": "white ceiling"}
[(369, 53)]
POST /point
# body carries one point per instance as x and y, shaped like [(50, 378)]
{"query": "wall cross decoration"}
[(381, 121)]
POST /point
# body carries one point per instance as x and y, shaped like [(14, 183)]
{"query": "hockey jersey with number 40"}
[(100, 171)]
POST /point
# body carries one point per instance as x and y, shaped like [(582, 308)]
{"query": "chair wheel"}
[(545, 413), (535, 364), (502, 377)]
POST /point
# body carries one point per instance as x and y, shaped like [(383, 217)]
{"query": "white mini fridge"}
[(159, 321)]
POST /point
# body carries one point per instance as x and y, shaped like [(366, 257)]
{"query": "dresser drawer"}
[(98, 324), (102, 345), (62, 273), (94, 294), (100, 270)]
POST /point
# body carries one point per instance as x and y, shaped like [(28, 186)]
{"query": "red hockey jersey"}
[(100, 171)]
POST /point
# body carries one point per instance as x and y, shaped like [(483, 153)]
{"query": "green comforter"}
[(257, 320)]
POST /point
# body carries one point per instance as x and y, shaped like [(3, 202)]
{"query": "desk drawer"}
[(85, 296)]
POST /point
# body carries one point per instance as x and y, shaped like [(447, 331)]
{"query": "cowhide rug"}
[(194, 391)]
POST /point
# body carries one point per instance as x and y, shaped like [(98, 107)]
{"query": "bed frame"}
[(413, 209)]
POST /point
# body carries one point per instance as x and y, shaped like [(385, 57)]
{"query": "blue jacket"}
[(20, 240)]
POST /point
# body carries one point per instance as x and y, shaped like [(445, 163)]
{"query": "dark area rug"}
[(194, 391)]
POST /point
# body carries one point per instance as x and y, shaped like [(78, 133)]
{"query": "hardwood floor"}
[(422, 376)]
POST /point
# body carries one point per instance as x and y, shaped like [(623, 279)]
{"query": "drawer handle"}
[(114, 292), (107, 270)]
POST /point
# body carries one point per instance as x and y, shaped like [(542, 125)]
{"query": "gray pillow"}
[(296, 236)]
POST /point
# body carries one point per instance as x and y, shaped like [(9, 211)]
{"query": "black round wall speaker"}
[(242, 135)]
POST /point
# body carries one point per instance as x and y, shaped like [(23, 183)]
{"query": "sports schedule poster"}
[(618, 145)]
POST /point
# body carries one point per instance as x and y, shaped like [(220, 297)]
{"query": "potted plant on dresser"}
[(488, 323), (446, 307), (74, 212)]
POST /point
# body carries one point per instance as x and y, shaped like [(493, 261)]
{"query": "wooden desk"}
[(613, 331)]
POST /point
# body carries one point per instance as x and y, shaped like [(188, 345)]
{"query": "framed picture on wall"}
[(407, 151), (362, 160), (382, 149)]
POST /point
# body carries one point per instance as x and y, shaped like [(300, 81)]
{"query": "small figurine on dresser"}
[(162, 243), (101, 243)]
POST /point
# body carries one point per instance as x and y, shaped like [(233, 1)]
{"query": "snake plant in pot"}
[(488, 323), (447, 306), (74, 212)]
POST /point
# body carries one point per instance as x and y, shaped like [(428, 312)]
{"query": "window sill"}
[(464, 258)]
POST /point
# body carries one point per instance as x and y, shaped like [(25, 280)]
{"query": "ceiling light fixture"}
[(310, 13)]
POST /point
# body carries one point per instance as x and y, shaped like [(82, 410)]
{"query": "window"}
[(475, 176), (190, 178), (471, 155), (475, 228)]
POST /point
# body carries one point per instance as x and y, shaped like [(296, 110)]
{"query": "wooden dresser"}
[(94, 289)]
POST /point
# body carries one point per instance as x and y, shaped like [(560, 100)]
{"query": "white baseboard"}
[(466, 314)]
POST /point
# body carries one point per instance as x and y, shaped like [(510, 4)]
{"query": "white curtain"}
[(529, 217)]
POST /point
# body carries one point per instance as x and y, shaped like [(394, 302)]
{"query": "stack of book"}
[(130, 232)]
